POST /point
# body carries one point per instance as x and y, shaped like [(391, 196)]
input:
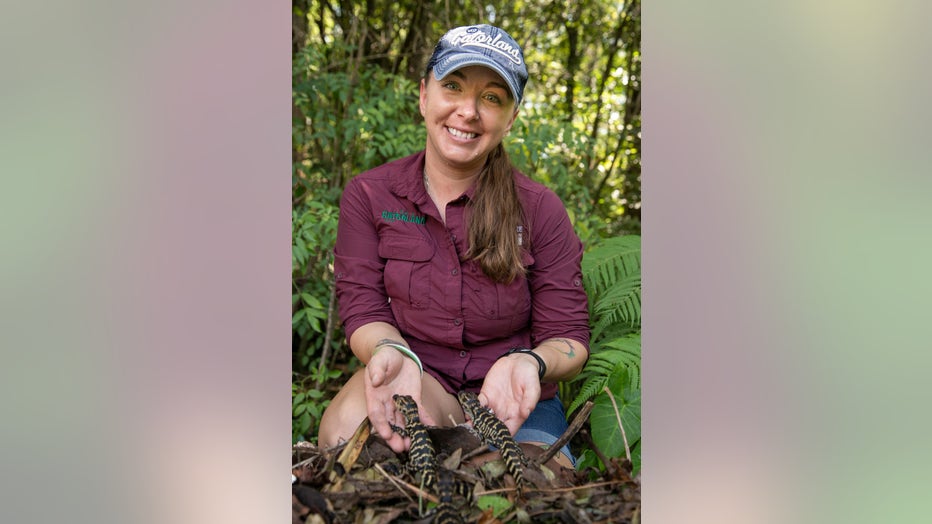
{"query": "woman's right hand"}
[(388, 373)]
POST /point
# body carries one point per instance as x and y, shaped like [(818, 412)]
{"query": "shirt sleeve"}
[(559, 306), (358, 270)]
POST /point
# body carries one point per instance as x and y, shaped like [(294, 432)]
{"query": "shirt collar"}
[(409, 180)]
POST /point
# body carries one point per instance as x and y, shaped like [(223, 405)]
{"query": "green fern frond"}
[(608, 358), (589, 389), (620, 303), (612, 277), (611, 260)]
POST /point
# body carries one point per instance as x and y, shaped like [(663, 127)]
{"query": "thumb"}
[(376, 374)]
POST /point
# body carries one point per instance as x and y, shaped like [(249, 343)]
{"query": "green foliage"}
[(351, 119), (307, 406), (613, 357), (612, 376), (355, 106), (612, 275), (313, 233), (498, 505), (619, 406)]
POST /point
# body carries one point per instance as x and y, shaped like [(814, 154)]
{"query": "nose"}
[(469, 109)]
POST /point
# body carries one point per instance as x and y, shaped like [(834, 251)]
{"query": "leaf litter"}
[(362, 481)]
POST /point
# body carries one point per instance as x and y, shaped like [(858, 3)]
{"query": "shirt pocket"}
[(514, 299), (407, 269)]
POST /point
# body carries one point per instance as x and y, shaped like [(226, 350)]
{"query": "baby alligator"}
[(421, 455), (494, 432), (446, 485)]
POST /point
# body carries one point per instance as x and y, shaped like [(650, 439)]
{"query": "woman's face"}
[(467, 114)]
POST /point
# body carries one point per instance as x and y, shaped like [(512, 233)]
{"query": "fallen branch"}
[(394, 480), (581, 417), (421, 493)]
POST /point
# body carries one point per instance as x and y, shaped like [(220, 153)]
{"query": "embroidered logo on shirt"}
[(403, 216)]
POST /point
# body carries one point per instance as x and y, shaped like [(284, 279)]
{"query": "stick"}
[(393, 481), (413, 488), (595, 449), (570, 432)]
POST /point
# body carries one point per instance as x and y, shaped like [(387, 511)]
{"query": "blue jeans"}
[(546, 424)]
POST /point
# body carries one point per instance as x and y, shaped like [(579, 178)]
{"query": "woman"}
[(456, 272)]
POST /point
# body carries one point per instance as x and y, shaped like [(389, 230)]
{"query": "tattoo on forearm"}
[(572, 351)]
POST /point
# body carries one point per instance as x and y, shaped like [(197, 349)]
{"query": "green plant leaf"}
[(608, 359), (499, 505), (311, 301), (606, 432)]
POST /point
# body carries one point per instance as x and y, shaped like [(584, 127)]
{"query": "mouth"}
[(461, 134)]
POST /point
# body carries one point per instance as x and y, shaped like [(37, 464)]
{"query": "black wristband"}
[(540, 361)]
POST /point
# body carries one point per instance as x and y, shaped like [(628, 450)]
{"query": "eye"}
[(495, 99), (450, 85)]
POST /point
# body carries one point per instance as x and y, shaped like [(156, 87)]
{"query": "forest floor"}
[(364, 482)]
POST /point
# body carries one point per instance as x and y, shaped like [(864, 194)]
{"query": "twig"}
[(475, 453), (413, 488), (499, 490), (595, 449), (620, 426), (328, 333), (580, 419), (305, 462), (583, 486), (393, 480), (551, 490)]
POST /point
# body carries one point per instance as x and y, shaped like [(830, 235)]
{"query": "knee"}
[(342, 416), (330, 432)]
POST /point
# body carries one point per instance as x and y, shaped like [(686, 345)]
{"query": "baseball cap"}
[(483, 45)]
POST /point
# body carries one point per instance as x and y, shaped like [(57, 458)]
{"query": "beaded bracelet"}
[(406, 352), (540, 361)]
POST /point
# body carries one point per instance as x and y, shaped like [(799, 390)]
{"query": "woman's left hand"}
[(511, 389)]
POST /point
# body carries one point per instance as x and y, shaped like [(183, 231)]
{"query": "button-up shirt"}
[(397, 262)]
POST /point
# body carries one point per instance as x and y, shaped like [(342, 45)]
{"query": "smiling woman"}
[(449, 260)]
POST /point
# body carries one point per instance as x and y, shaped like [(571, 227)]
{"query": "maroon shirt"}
[(397, 262)]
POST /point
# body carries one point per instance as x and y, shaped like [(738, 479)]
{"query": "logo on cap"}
[(475, 38)]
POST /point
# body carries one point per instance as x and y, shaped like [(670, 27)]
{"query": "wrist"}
[(404, 350), (541, 365)]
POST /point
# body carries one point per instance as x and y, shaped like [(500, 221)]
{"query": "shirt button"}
[(463, 354), (455, 272), (457, 321), (577, 283)]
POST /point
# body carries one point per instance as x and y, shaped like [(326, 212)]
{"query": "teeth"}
[(459, 134)]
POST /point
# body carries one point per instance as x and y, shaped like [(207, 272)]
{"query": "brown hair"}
[(496, 214)]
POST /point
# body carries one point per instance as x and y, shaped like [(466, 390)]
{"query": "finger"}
[(396, 443), (381, 417), (483, 399), (376, 375), (527, 405), (380, 424)]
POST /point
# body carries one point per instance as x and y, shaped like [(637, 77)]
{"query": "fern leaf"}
[(610, 260), (612, 277), (609, 359)]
